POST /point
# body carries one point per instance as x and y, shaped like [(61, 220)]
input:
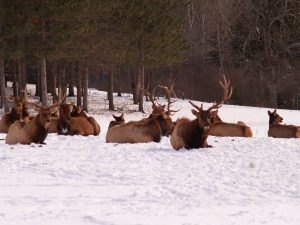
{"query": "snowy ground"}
[(82, 180)]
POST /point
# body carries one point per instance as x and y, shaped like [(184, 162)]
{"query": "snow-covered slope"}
[(83, 180)]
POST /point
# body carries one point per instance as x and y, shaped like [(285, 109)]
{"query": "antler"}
[(226, 94), (151, 97), (197, 107), (168, 95)]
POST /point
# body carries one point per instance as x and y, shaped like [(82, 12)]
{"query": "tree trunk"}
[(61, 79), (2, 87), (118, 86), (273, 90), (24, 76), (134, 86), (43, 82), (78, 73), (85, 88), (141, 80), (14, 78), (71, 81), (53, 78), (38, 90), (110, 90), (19, 65)]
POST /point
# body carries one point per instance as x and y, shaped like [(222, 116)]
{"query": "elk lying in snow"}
[(193, 133), (278, 130), (18, 111), (34, 130), (78, 112), (146, 130), (223, 129), (118, 121), (76, 125)]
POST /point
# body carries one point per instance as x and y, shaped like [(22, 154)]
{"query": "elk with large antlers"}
[(34, 130), (193, 133), (277, 130), (18, 111), (150, 129)]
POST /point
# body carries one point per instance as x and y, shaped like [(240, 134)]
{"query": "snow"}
[(82, 180)]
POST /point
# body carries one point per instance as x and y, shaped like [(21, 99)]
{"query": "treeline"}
[(132, 45), (62, 39)]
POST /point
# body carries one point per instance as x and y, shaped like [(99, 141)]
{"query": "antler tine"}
[(195, 106), (226, 94), (168, 95), (147, 93)]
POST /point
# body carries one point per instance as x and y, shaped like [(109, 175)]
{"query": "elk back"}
[(222, 129), (283, 131), (80, 126), (143, 131)]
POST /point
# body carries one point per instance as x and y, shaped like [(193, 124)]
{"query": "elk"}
[(18, 111), (76, 125), (78, 112), (223, 129), (146, 130), (193, 133), (277, 130), (118, 121), (34, 130)]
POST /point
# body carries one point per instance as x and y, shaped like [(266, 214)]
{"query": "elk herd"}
[(69, 119)]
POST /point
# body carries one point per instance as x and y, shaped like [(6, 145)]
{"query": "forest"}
[(134, 45)]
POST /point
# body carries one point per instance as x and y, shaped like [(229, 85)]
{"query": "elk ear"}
[(269, 112), (115, 117), (122, 116)]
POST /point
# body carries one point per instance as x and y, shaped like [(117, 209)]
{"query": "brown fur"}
[(277, 130), (223, 129), (80, 125), (118, 121), (191, 133), (31, 131), (53, 125), (143, 131), (78, 112), (146, 130), (18, 111)]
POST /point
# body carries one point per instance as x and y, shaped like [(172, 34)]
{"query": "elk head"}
[(274, 117), (162, 113), (119, 119), (44, 113)]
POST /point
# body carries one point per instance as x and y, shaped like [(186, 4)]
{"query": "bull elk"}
[(34, 130), (118, 121), (75, 125), (18, 111), (193, 133), (277, 130), (150, 129)]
